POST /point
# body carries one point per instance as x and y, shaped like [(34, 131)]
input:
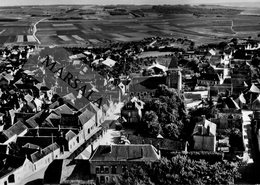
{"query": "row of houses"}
[(41, 145), (37, 126), (104, 166)]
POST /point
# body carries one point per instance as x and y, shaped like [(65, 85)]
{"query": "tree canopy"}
[(181, 170), (169, 109)]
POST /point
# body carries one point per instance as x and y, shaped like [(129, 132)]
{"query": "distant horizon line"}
[(212, 4), (135, 4)]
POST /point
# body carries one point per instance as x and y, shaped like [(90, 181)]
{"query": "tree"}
[(183, 170), (151, 124), (170, 110), (136, 175), (235, 139)]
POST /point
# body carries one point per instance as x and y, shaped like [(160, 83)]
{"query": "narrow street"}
[(107, 138), (246, 133), (109, 135), (249, 171)]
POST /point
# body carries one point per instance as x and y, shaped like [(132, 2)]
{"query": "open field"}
[(16, 26)]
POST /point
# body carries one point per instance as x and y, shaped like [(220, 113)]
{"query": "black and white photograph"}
[(129, 92)]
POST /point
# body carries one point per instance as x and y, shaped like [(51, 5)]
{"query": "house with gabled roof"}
[(98, 112), (132, 111), (63, 109), (229, 113), (204, 135), (88, 121), (18, 129), (109, 161)]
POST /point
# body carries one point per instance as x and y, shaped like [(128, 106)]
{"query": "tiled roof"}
[(137, 152), (163, 144), (165, 61), (43, 152), (92, 107), (145, 84), (32, 121), (69, 135), (63, 109), (15, 129), (53, 115), (86, 116)]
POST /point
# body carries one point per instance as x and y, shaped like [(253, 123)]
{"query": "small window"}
[(88, 131), (5, 183), (106, 169), (101, 169), (77, 139), (113, 169), (11, 178), (102, 179), (124, 168), (97, 170)]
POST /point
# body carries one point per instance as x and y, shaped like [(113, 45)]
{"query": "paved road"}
[(246, 132), (109, 135)]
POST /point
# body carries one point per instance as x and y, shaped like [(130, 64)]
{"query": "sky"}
[(106, 2)]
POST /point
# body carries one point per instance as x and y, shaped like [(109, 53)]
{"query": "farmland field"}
[(16, 26)]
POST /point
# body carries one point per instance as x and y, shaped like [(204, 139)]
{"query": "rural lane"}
[(35, 30), (231, 27)]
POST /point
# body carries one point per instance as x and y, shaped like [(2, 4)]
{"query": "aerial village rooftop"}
[(101, 113)]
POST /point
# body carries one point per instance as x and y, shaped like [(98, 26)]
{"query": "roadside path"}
[(35, 30), (231, 27)]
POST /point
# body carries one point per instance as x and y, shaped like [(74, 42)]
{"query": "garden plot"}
[(77, 37), (19, 38), (64, 37)]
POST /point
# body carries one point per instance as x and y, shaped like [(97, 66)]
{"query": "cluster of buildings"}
[(37, 126), (39, 129)]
